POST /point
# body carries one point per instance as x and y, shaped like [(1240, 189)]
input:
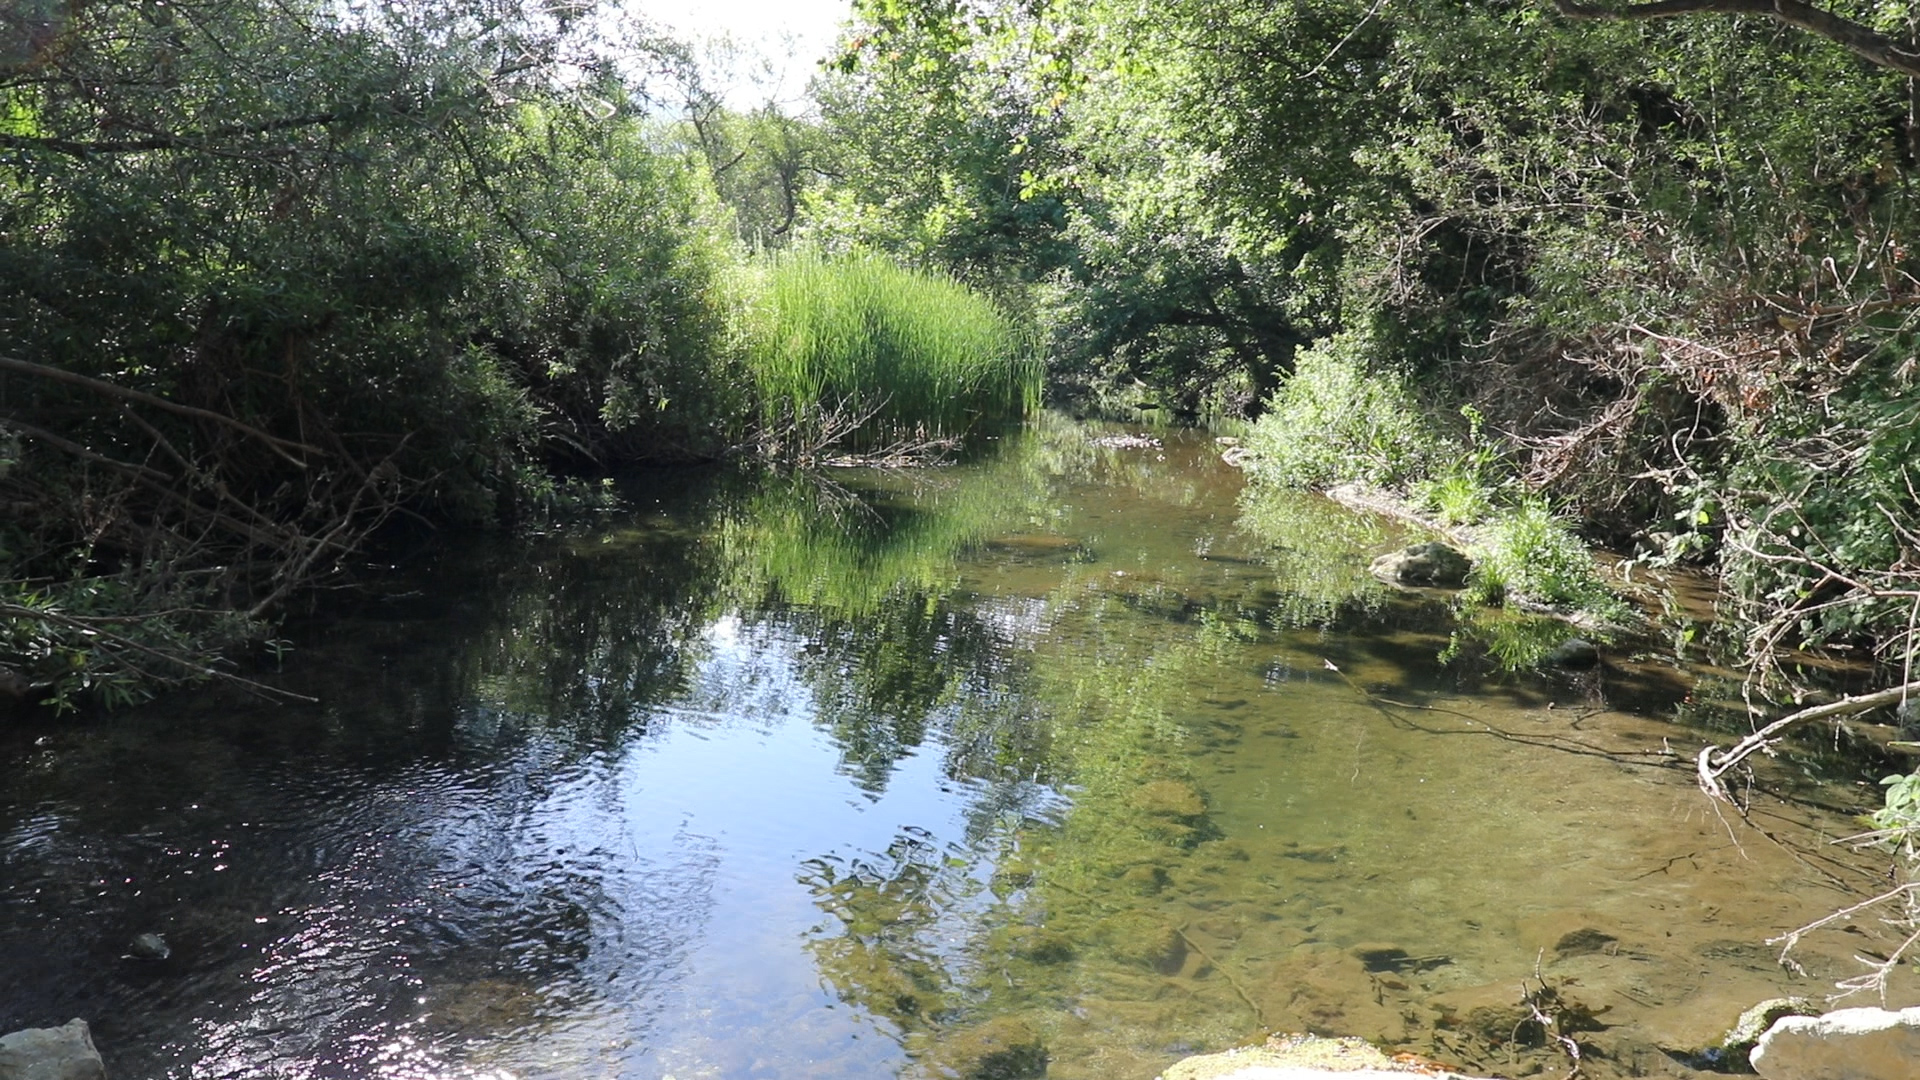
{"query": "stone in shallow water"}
[(149, 947), (1431, 563), (1040, 945), (1380, 956), (1575, 653), (1003, 1048), (1169, 798), (62, 1053), (1848, 1044), (1753, 1023), (1140, 938), (1305, 1057), (1582, 941)]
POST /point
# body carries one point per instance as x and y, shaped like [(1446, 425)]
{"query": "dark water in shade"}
[(867, 776)]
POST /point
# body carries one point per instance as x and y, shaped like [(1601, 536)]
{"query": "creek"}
[(1070, 755)]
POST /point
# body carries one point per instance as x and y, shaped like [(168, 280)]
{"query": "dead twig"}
[(1791, 938)]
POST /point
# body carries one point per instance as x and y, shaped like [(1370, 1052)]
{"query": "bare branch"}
[(203, 140), (81, 452), (280, 446), (1712, 763)]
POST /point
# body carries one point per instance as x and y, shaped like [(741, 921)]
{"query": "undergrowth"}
[(1528, 553), (1340, 420), (1336, 421)]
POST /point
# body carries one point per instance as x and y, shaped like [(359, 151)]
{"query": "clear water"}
[(1066, 755)]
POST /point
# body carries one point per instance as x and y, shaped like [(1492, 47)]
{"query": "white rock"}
[(1303, 1072), (1304, 1057), (1848, 1044), (62, 1053)]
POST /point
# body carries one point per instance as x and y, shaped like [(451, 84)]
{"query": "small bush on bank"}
[(1336, 420), (860, 334), (1528, 553), (1339, 420), (1456, 497)]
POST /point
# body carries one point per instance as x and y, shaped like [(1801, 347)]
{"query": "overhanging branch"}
[(1861, 40), (202, 140), (275, 443)]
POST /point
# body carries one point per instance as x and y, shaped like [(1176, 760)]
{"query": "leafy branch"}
[(1861, 40)]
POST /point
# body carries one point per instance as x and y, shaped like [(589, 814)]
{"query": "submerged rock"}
[(1582, 941), (1746, 1031), (62, 1053), (149, 947), (1432, 563), (1380, 956), (1003, 1048), (1169, 798), (1575, 653), (1848, 1044), (1306, 1057), (1039, 945), (1140, 938)]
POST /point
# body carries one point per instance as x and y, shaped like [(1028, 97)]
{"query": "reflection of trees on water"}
[(894, 911), (590, 640), (868, 577), (1046, 900), (920, 665)]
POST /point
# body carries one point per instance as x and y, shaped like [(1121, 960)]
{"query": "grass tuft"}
[(1529, 553), (916, 355)]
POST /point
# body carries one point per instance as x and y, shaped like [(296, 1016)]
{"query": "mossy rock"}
[(1576, 654), (1170, 799), (1143, 939), (1002, 1048), (1431, 564), (1144, 880), (1753, 1023), (484, 1004), (1039, 945)]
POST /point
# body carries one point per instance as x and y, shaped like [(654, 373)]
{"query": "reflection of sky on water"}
[(513, 905), (609, 812), (738, 774)]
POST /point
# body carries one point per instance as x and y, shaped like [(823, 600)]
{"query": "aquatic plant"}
[(906, 354)]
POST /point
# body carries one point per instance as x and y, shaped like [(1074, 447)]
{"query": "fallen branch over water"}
[(1713, 763)]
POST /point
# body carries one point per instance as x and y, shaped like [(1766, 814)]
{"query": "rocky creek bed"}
[(1071, 758)]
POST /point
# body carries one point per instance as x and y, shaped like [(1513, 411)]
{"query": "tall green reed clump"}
[(859, 336)]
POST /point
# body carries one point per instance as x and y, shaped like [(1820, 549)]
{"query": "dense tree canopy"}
[(1668, 259), (271, 273)]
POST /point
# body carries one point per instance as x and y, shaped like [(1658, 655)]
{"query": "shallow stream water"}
[(1068, 759)]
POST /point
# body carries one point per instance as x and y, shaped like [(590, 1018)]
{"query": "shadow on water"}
[(1068, 761)]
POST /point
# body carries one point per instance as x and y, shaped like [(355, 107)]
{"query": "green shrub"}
[(862, 335), (1528, 553), (1457, 496), (1335, 420)]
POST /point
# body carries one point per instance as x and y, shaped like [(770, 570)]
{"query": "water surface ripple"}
[(1068, 759)]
